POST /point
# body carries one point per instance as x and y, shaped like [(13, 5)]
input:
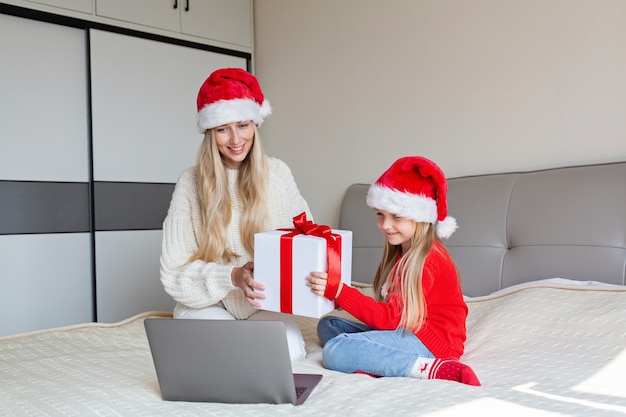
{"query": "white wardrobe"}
[(96, 123)]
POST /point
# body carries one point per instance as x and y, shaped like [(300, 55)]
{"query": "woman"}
[(233, 192)]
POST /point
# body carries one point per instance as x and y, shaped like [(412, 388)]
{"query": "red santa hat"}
[(414, 188), (231, 95)]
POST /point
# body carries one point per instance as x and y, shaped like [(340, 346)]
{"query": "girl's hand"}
[(242, 277), (317, 282)]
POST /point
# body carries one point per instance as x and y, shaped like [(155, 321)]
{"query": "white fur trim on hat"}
[(229, 111), (410, 206)]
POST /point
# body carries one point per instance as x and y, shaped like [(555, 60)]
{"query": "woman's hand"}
[(242, 277), (317, 281)]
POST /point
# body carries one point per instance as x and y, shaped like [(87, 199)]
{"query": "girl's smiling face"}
[(398, 230), (234, 141)]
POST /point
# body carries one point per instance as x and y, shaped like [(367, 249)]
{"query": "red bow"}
[(333, 246)]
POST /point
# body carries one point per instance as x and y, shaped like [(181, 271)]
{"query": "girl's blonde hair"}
[(407, 272), (216, 205)]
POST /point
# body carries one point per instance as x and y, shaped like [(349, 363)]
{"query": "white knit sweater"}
[(201, 284)]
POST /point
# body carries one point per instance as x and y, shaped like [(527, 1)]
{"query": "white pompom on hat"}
[(231, 95), (415, 188)]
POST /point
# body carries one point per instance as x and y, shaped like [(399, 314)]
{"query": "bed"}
[(542, 257)]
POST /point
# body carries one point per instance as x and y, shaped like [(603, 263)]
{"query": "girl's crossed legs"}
[(355, 347)]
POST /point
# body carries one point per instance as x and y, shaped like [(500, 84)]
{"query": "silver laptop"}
[(225, 361)]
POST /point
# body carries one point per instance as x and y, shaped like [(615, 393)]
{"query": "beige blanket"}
[(539, 351)]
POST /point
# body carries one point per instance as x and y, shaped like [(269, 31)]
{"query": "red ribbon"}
[(333, 256)]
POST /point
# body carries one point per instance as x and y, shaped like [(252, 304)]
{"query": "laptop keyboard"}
[(299, 391)]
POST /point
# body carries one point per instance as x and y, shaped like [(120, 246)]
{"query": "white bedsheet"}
[(543, 350)]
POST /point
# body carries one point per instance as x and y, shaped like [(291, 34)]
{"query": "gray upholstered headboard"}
[(518, 227)]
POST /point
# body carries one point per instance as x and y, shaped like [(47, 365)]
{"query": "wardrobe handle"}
[(186, 5), (175, 4)]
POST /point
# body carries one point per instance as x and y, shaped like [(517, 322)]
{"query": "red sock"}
[(453, 370), (365, 373)]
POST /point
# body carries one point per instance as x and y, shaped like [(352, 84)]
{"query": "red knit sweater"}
[(443, 332)]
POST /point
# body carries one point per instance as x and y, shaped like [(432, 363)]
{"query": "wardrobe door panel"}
[(43, 104), (46, 281), (84, 6), (155, 13), (223, 20), (45, 246), (128, 274)]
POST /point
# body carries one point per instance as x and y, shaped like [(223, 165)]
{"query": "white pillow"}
[(558, 281)]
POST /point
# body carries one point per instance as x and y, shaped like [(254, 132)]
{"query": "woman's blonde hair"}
[(216, 204), (407, 272)]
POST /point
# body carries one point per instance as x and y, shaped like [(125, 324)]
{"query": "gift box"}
[(284, 258)]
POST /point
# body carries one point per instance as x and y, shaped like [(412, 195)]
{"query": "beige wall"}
[(479, 86)]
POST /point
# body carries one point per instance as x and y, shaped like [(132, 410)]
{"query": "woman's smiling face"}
[(234, 141)]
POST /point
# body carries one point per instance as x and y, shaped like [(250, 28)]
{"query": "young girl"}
[(415, 326)]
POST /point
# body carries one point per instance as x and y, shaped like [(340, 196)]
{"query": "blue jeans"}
[(350, 347)]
